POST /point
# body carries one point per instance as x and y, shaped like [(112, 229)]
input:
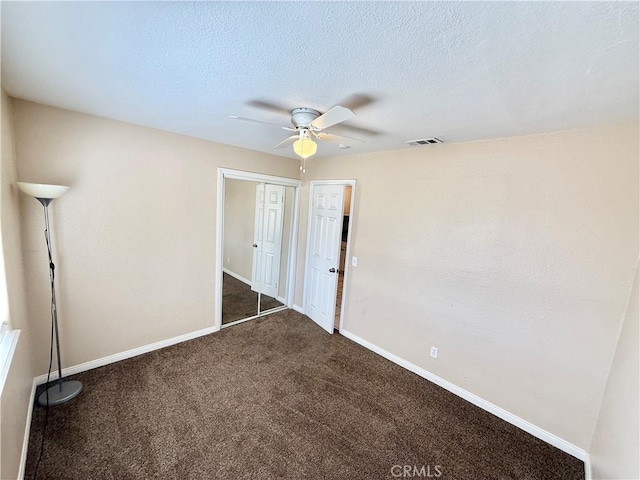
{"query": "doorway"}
[(327, 264), (256, 245)]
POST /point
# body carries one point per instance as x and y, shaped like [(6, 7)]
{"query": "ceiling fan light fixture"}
[(305, 147)]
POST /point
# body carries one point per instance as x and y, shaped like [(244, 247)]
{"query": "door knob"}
[(255, 245), (332, 270)]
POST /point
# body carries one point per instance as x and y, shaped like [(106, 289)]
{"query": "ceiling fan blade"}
[(245, 119), (349, 129), (330, 137), (357, 100), (287, 142), (272, 107), (334, 115)]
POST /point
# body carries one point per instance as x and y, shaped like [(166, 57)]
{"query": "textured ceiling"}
[(457, 71)]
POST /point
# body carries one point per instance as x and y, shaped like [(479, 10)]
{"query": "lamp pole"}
[(63, 390)]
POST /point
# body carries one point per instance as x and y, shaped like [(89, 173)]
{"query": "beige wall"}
[(15, 401), (134, 237), (239, 223), (615, 448), (513, 256)]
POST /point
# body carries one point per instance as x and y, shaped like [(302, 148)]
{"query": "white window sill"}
[(8, 344)]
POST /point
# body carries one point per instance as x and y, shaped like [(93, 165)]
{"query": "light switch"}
[(354, 261)]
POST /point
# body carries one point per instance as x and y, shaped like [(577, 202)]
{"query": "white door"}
[(267, 239), (323, 259)]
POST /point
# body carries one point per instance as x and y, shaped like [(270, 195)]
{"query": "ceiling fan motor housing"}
[(302, 117)]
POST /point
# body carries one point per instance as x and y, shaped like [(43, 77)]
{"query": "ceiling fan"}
[(309, 124)]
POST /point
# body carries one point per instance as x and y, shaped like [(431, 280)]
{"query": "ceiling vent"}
[(423, 141)]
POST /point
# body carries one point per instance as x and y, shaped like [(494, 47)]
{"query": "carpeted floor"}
[(239, 301), (278, 398)]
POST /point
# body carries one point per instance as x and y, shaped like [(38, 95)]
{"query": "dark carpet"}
[(278, 398), (239, 301)]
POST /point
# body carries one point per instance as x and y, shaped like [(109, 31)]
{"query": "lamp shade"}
[(42, 190), (305, 147)]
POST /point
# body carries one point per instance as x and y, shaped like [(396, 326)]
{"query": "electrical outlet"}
[(228, 259), (354, 261), (434, 351)]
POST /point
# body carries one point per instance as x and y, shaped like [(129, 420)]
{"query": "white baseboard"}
[(534, 430), (236, 276), (27, 432), (298, 309), (101, 362)]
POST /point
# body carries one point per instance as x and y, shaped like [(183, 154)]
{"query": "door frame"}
[(228, 173), (347, 262)]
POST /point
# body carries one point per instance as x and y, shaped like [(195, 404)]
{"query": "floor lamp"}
[(63, 390)]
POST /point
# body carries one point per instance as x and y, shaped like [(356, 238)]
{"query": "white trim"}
[(257, 177), (298, 309), (101, 362), (238, 322), (261, 314), (534, 430), (217, 315), (269, 311), (8, 343), (224, 173), (587, 468), (293, 247), (306, 251), (347, 260), (236, 276), (538, 432), (27, 432)]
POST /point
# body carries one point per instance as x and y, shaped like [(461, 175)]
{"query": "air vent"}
[(423, 141)]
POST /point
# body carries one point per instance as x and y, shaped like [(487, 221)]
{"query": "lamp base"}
[(60, 393)]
